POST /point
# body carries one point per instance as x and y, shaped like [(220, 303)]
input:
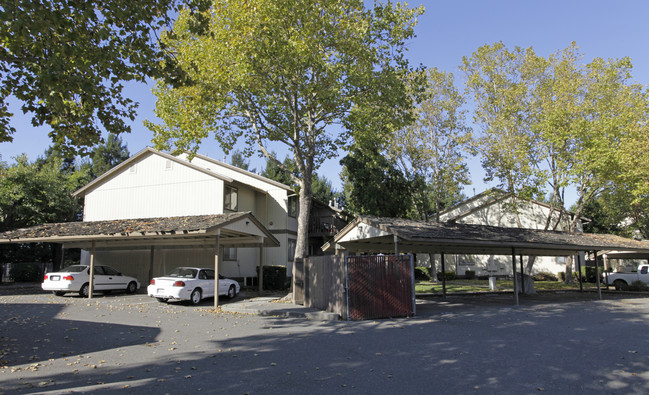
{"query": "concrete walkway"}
[(275, 306)]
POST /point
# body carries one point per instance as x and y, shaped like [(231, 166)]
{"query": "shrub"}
[(545, 276), (448, 275), (275, 278), (562, 276), (590, 274), (422, 274), (639, 286), (26, 272), (469, 274)]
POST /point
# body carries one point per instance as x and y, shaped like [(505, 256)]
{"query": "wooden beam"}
[(443, 276), (514, 272), (599, 286), (217, 256), (91, 284)]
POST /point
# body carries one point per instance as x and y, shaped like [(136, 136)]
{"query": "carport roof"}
[(240, 229), (379, 234)]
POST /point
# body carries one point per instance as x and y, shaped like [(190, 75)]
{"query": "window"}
[(168, 164), (292, 243), (292, 206), (229, 254), (230, 201)]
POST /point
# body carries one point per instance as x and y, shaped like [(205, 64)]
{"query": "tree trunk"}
[(569, 264), (302, 243)]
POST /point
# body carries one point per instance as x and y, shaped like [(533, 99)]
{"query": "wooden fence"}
[(360, 287)]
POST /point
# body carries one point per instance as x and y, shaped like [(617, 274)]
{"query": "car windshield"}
[(183, 272), (75, 268)]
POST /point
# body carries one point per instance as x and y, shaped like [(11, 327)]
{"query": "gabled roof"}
[(138, 157), (245, 172), (377, 234), (488, 198), (241, 229)]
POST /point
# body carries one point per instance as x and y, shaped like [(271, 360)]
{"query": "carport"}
[(240, 229), (368, 234)]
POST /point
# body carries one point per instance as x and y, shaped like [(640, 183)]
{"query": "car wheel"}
[(232, 292), (163, 300), (195, 297), (621, 285), (131, 288), (84, 290), (58, 293)]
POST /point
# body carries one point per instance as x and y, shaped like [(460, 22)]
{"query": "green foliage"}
[(239, 160), (66, 61), (590, 274), (26, 272), (372, 183), (556, 121), (284, 72), (37, 193), (431, 151), (449, 275), (422, 274), (639, 286), (545, 276), (469, 274), (275, 278), (562, 276), (108, 155)]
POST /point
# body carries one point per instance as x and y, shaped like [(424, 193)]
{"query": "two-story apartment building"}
[(153, 184), (497, 208)]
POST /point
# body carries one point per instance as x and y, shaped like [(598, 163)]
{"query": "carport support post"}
[(522, 275), (260, 277), (514, 271), (599, 287), (151, 252), (396, 245), (443, 275), (91, 285), (581, 285), (217, 253)]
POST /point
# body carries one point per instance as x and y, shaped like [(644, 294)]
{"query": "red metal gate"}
[(380, 286)]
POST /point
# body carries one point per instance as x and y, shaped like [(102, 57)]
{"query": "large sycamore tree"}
[(64, 63), (431, 151), (304, 73), (556, 122)]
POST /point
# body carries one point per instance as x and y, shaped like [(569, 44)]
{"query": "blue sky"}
[(446, 32)]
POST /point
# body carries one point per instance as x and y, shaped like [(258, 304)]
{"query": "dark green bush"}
[(590, 274), (422, 274), (545, 276), (26, 272), (448, 275), (275, 278), (639, 286), (562, 276), (469, 274)]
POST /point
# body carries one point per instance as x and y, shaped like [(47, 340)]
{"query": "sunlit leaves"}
[(65, 63)]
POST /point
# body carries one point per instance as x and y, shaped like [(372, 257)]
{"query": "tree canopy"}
[(556, 122), (65, 62), (300, 73), (431, 151)]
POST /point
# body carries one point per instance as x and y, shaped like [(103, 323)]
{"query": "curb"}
[(268, 307)]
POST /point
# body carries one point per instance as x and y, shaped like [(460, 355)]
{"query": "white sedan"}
[(76, 278), (190, 283)]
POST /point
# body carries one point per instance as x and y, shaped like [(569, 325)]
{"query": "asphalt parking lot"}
[(133, 344)]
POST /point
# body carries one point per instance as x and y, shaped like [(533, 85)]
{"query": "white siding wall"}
[(159, 188), (151, 189)]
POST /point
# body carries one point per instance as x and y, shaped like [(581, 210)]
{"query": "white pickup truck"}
[(621, 281)]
